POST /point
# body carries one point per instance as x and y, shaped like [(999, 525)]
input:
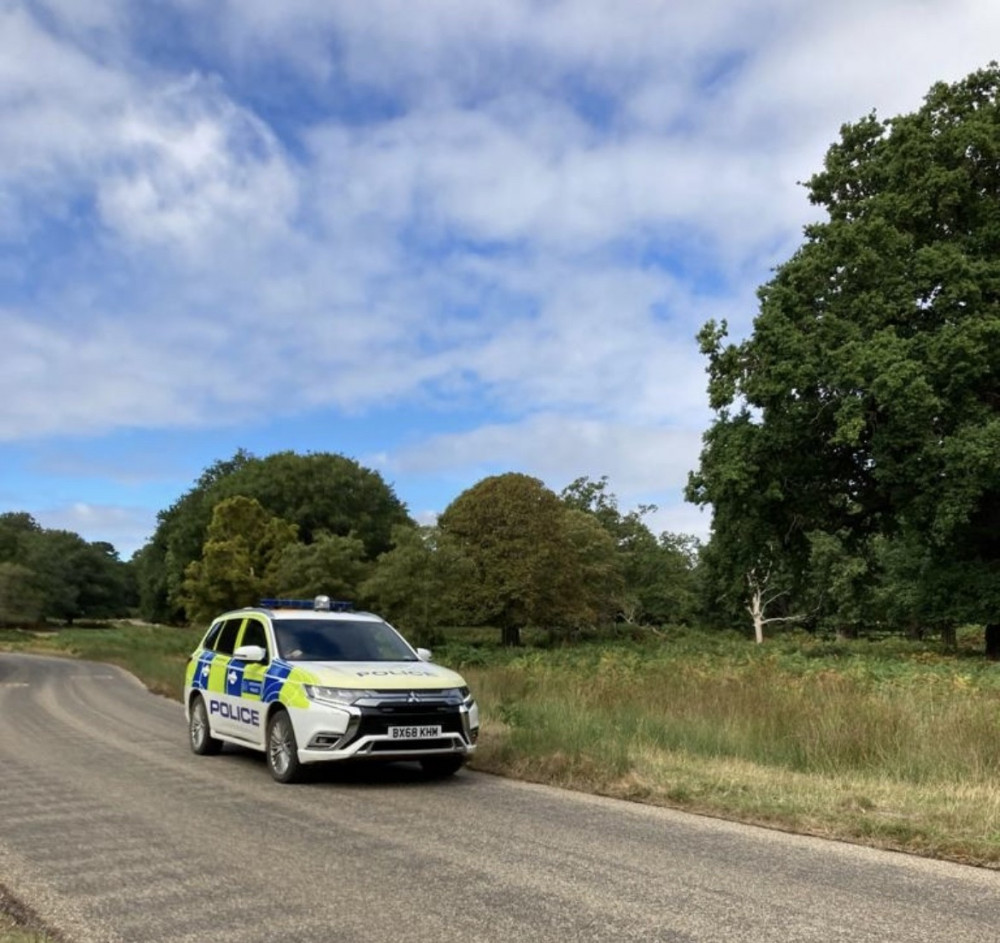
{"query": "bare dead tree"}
[(762, 595)]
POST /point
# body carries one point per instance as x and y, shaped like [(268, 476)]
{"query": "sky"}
[(445, 238)]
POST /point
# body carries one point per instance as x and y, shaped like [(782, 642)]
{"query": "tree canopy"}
[(239, 558), (534, 563), (57, 574), (420, 584), (857, 433), (322, 494), (658, 575)]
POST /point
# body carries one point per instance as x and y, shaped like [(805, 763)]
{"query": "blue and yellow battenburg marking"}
[(274, 680), (233, 681), (202, 671)]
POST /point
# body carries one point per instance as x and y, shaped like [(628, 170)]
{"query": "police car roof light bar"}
[(320, 603)]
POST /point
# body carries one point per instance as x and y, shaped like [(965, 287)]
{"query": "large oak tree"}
[(857, 430)]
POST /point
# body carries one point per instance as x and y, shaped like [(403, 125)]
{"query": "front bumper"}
[(362, 730)]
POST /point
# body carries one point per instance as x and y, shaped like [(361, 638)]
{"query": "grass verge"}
[(886, 743)]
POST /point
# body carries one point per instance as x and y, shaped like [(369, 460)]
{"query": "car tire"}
[(442, 766), (199, 730), (282, 749)]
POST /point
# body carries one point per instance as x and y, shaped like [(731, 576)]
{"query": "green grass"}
[(886, 742)]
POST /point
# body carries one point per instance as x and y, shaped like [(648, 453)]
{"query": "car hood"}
[(381, 675)]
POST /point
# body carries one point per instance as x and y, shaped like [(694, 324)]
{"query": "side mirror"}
[(424, 654), (253, 653)]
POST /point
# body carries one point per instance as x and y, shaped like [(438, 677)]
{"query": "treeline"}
[(508, 552), (57, 574)]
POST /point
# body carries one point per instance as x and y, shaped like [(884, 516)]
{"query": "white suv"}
[(311, 681)]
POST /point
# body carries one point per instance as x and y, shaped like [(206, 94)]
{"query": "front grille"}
[(378, 720)]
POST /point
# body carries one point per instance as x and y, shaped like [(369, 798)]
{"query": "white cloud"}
[(170, 160), (637, 459), (190, 168), (515, 206)]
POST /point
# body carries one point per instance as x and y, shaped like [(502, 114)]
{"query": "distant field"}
[(888, 742)]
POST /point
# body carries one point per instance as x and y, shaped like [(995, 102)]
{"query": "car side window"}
[(213, 634), (254, 633), (227, 637)]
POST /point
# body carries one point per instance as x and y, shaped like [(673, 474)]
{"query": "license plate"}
[(414, 733)]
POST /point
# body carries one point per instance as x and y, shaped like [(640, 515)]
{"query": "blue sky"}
[(446, 238)]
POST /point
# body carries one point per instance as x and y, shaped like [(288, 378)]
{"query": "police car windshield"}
[(305, 639)]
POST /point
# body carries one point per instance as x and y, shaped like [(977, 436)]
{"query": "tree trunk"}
[(993, 641), (948, 637), (510, 636), (756, 609)]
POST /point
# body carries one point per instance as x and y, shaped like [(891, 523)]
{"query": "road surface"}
[(112, 830)]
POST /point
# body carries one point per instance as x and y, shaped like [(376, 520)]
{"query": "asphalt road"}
[(112, 830)]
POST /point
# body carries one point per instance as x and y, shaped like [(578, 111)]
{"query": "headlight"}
[(460, 694), (338, 696)]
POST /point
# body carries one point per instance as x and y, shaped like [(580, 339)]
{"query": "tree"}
[(330, 566), (842, 582), (514, 532), (15, 526), (594, 577), (21, 600), (656, 575), (149, 563), (665, 577), (419, 583), (763, 590), (239, 559), (77, 579), (320, 493), (866, 403)]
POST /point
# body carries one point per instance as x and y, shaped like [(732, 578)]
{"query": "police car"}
[(312, 681)]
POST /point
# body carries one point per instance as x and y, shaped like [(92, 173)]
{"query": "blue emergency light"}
[(319, 604)]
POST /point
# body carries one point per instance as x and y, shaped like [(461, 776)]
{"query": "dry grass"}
[(898, 752)]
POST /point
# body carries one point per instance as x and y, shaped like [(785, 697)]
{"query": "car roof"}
[(298, 612)]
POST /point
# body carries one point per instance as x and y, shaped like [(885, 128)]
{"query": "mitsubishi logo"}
[(413, 698)]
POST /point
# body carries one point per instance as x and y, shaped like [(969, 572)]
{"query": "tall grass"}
[(889, 743), (918, 719)]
